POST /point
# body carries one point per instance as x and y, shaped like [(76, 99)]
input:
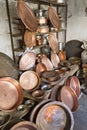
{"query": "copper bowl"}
[(55, 115)]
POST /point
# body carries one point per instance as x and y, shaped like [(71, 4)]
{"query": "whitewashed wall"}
[(77, 20)]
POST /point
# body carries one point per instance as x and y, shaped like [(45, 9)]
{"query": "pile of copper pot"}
[(46, 93)]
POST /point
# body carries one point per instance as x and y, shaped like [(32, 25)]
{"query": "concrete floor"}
[(80, 116)]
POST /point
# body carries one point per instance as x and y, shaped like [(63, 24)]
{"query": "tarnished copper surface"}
[(53, 42), (52, 116), (69, 97), (27, 16), (11, 92), (29, 38), (45, 60), (53, 16), (29, 80), (55, 59), (24, 125), (38, 94), (27, 61)]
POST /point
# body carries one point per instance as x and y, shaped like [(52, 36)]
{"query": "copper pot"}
[(42, 20), (43, 29)]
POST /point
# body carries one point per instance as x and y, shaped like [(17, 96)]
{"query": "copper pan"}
[(24, 125), (69, 97), (27, 61), (29, 39), (55, 60), (29, 80), (53, 42), (10, 101), (27, 16), (53, 16), (46, 61)]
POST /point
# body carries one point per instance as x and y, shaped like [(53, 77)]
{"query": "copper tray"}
[(53, 42), (46, 61), (55, 60), (29, 80), (27, 61), (53, 16), (29, 38), (27, 16), (11, 94), (69, 97)]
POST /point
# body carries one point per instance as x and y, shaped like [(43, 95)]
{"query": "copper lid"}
[(69, 97)]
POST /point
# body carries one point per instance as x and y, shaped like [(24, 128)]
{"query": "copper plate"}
[(27, 16), (53, 42), (46, 61), (55, 59), (27, 61), (24, 125), (29, 80), (11, 94), (75, 84), (53, 16), (29, 39), (53, 116), (69, 97)]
